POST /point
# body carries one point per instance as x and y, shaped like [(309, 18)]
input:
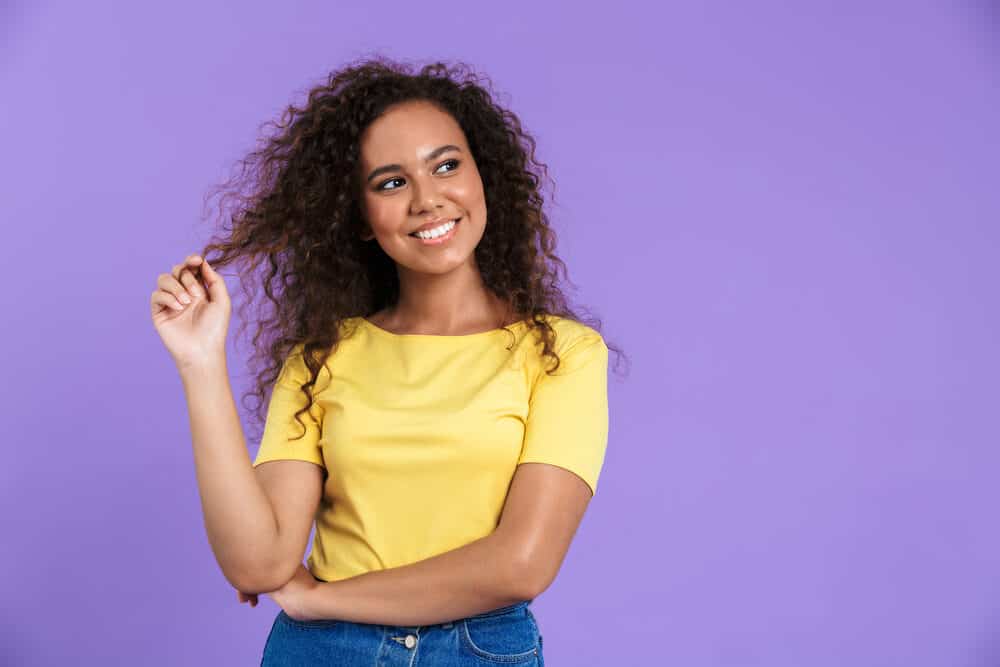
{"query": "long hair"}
[(294, 207)]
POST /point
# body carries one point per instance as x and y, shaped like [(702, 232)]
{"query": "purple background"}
[(786, 213)]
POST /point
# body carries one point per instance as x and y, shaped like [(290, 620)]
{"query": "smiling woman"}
[(432, 402)]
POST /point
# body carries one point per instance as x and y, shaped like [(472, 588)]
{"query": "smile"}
[(439, 234)]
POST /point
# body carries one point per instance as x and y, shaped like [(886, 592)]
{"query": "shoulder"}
[(295, 370), (575, 343), (293, 367), (571, 334)]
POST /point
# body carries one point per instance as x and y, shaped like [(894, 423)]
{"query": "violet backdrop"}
[(785, 213)]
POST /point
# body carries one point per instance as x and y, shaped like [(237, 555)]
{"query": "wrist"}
[(310, 603), (202, 369)]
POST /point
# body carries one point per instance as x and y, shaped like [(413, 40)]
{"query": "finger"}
[(192, 285), (189, 262), (171, 285), (245, 597), (161, 299), (214, 284)]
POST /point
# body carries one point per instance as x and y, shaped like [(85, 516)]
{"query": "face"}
[(416, 167)]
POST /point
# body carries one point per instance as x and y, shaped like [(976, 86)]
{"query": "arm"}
[(239, 518), (462, 582), (516, 562)]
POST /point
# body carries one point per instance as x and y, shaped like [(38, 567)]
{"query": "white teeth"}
[(437, 231)]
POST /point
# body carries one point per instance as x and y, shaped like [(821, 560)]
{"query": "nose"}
[(425, 195)]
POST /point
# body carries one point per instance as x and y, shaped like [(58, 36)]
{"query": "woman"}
[(436, 407)]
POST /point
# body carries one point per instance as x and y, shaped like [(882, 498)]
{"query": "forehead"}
[(408, 131)]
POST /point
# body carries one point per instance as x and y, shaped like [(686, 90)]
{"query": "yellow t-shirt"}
[(420, 434)]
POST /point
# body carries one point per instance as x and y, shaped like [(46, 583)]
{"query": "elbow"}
[(259, 578), (528, 578), (527, 573)]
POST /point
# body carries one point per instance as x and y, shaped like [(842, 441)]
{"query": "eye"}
[(391, 180), (384, 183), (455, 162)]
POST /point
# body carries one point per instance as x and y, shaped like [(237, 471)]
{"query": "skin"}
[(441, 288)]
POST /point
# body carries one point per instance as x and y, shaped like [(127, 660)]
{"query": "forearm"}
[(238, 516), (472, 579)]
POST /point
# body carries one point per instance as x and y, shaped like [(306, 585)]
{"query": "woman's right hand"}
[(193, 332)]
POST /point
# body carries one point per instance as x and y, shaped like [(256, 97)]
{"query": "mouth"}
[(445, 231)]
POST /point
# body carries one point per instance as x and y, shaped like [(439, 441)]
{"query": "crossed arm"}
[(518, 561)]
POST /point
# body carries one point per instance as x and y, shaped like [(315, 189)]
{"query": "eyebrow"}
[(430, 156)]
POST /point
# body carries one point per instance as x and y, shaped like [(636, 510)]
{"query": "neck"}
[(447, 303)]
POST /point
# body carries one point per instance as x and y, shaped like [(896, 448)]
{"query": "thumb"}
[(214, 283)]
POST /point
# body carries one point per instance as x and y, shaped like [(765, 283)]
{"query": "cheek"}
[(469, 193), (384, 213)]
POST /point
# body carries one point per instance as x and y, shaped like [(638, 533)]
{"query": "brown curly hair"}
[(295, 204)]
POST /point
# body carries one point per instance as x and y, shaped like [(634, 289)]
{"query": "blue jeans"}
[(504, 636)]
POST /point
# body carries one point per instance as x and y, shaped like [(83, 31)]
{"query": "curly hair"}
[(296, 204)]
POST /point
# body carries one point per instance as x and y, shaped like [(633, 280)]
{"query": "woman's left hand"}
[(247, 597), (294, 596)]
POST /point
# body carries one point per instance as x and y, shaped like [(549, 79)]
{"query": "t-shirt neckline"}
[(385, 332)]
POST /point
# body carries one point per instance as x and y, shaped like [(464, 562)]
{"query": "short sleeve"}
[(567, 423), (281, 437)]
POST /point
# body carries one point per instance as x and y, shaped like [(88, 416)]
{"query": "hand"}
[(294, 596), (247, 597), (193, 332)]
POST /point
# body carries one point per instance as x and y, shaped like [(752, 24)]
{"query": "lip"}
[(433, 223), (441, 239)]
